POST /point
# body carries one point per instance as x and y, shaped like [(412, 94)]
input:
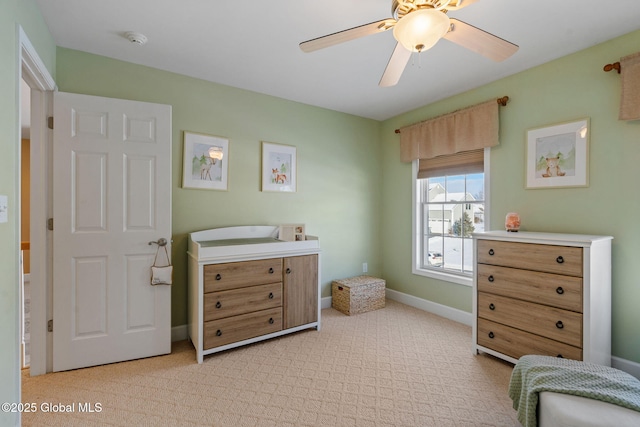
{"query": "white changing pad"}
[(564, 410)]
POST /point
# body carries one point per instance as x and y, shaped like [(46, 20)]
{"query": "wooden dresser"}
[(249, 287), (542, 293)]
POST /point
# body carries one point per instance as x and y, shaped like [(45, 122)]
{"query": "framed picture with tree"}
[(279, 167), (205, 163), (558, 155)]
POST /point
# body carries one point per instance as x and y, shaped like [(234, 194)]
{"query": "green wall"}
[(26, 14), (569, 88), (339, 163), (358, 204)]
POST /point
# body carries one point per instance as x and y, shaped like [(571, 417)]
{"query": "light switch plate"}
[(4, 208)]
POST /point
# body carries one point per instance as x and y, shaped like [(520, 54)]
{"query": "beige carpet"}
[(397, 366)]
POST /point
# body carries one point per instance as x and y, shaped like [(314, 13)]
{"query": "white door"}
[(111, 197)]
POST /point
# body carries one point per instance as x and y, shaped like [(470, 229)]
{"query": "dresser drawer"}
[(516, 343), (565, 260), (543, 288), (218, 305), (232, 329), (557, 324), (220, 277)]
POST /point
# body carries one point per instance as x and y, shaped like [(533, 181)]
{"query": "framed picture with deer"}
[(278, 167), (205, 162)]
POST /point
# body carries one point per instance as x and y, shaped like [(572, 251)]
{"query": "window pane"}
[(436, 219), (455, 188), (467, 255), (478, 217), (452, 253), (433, 253), (475, 186), (455, 211)]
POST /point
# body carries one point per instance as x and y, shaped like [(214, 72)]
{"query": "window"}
[(450, 204)]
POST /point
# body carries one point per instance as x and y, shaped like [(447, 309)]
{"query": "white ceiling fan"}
[(417, 26)]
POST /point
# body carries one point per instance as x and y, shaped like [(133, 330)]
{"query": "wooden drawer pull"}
[(271, 320), (271, 270), (270, 295), (218, 305), (218, 333), (560, 260), (218, 276), (491, 278), (559, 290), (559, 324), (491, 252), (491, 335), (492, 306)]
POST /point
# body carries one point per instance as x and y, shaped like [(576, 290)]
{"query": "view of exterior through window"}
[(451, 208)]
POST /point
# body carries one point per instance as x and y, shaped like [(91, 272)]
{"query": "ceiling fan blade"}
[(346, 35), (396, 66), (459, 4), (479, 41)]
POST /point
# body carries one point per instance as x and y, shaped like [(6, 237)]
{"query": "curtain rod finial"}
[(503, 101), (614, 66)]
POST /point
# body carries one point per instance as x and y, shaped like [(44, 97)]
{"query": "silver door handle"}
[(161, 242)]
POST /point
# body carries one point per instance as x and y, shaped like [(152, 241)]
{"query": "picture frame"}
[(292, 232), (279, 169), (205, 161), (558, 155)]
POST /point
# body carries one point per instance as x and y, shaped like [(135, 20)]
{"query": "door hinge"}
[(50, 122), (50, 326), (50, 224)]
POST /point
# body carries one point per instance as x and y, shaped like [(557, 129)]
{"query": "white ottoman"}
[(564, 410)]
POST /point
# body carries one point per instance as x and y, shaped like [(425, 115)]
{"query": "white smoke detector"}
[(136, 38)]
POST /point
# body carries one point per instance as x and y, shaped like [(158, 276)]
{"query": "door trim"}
[(33, 71)]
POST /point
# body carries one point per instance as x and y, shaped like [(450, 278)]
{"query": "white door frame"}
[(33, 71)]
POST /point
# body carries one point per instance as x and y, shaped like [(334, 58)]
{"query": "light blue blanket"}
[(534, 374)]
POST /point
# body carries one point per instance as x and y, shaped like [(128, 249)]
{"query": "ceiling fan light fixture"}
[(421, 29)]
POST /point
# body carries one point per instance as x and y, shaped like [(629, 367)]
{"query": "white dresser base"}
[(201, 255)]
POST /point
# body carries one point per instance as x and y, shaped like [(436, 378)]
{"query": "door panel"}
[(89, 297), (139, 193), (89, 192), (112, 196)]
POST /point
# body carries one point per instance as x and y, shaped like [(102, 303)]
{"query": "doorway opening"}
[(25, 223)]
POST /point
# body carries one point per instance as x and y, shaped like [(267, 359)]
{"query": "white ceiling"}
[(253, 44)]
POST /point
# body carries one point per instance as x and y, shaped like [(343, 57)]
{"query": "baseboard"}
[(432, 307), (179, 333), (422, 304), (628, 366), (325, 302)]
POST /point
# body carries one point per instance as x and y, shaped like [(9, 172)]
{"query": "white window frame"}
[(416, 233)]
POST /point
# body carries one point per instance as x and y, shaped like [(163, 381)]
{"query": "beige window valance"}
[(630, 85), (471, 128)]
